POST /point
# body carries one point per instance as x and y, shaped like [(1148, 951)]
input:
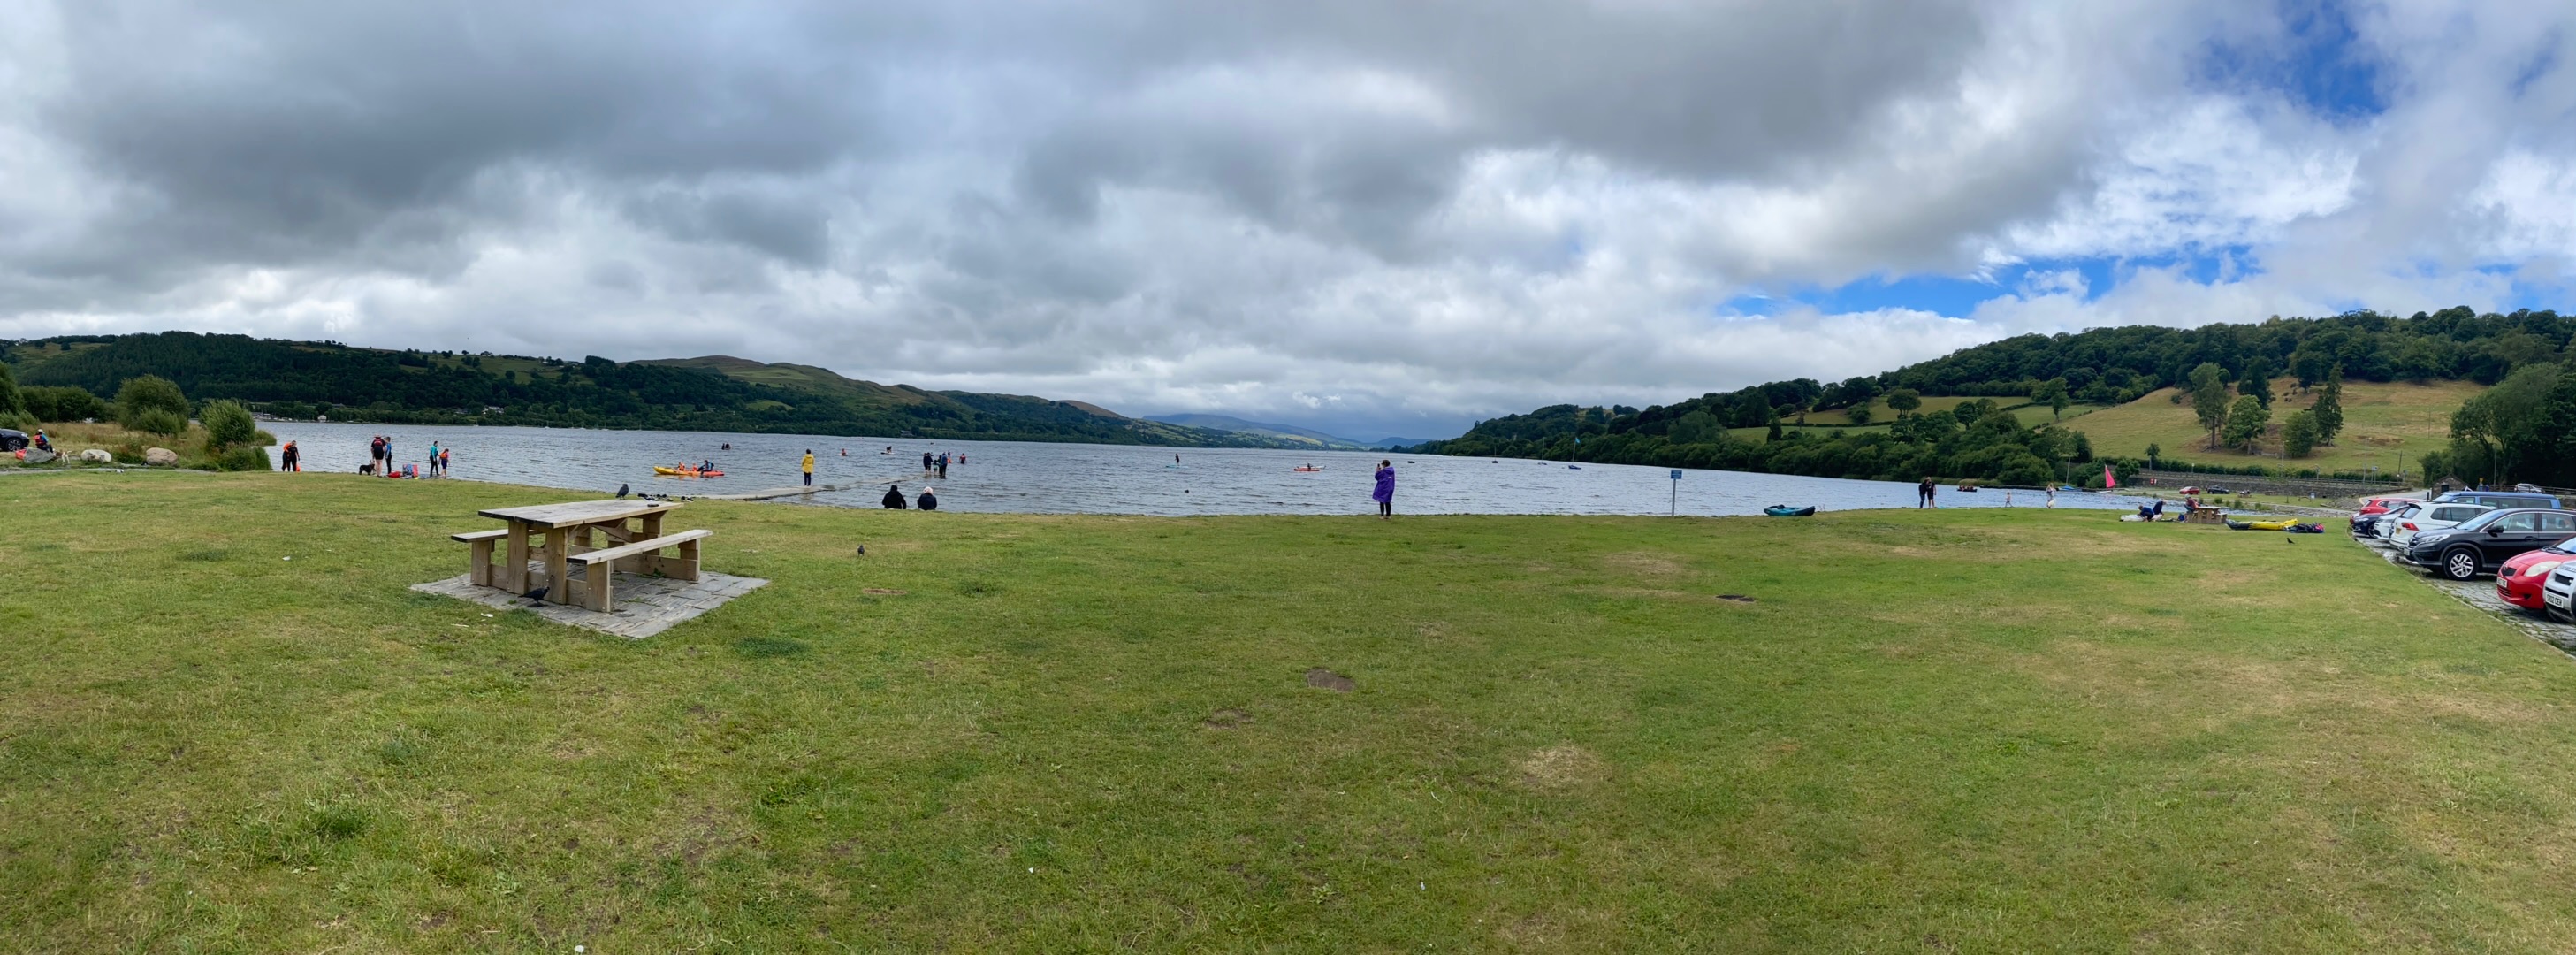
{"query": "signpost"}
[(1677, 494)]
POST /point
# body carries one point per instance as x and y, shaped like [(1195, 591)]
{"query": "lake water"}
[(1026, 477)]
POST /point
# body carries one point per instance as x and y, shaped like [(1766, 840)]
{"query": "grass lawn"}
[(2386, 426), (1973, 730)]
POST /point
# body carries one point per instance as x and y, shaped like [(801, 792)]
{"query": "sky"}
[(1371, 218)]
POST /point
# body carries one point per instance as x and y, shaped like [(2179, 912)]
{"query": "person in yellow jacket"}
[(809, 467)]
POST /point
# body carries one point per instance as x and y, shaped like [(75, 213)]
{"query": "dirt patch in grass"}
[(1226, 719), (1562, 768), (1323, 679)]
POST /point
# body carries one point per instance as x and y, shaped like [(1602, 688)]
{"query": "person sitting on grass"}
[(894, 498), (928, 501)]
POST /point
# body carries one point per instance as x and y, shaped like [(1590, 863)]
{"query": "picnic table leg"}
[(558, 568), (650, 563), (479, 568), (688, 561), (600, 575), (514, 575)]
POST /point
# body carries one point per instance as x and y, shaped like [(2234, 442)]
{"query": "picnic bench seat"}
[(640, 557), (480, 570)]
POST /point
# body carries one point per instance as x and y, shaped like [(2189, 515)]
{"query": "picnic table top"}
[(577, 513)]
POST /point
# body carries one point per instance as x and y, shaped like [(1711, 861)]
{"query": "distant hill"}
[(711, 393), (2403, 375), (1304, 437)]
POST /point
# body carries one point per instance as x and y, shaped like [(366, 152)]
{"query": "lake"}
[(1046, 478)]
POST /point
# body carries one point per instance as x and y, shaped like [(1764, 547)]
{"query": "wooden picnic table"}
[(566, 526)]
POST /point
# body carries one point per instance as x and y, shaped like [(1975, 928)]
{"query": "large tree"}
[(2051, 393), (2329, 406), (2245, 422), (2209, 398), (2257, 381)]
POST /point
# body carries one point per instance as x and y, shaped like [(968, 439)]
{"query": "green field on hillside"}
[(2385, 426), (1879, 413), (226, 726)]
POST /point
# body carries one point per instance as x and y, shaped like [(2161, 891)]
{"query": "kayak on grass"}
[(1783, 510)]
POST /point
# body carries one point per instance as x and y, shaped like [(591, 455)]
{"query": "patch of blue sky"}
[(1957, 296), (2317, 61)]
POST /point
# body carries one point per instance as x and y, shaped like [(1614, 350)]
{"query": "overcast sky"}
[(1373, 217)]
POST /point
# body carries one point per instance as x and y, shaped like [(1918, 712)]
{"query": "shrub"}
[(154, 421), (151, 403), (242, 457), (10, 402), (62, 403), (227, 424), (19, 420)]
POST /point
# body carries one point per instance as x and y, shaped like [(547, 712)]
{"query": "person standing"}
[(2052, 497), (375, 454), (433, 459), (288, 459), (809, 467), (925, 462), (389, 457), (1923, 495), (446, 461), (1384, 493), (943, 465)]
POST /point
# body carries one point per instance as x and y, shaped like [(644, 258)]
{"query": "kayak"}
[(667, 470), (1305, 470), (1783, 510), (2273, 525)]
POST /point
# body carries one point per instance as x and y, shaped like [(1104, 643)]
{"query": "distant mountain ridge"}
[(1231, 424)]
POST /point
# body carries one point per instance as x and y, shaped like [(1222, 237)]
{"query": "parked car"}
[(2430, 517), (2400, 529), (2500, 499), (2555, 592), (2384, 525), (2484, 542), (2364, 520), (2518, 582), (11, 440)]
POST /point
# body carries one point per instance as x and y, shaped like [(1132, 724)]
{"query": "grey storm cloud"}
[(1382, 216)]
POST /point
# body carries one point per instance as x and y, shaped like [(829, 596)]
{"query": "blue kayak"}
[(1783, 510)]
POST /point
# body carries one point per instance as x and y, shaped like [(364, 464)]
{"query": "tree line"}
[(309, 379)]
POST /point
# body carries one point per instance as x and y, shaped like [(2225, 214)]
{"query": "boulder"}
[(97, 456), (160, 457), (36, 456)]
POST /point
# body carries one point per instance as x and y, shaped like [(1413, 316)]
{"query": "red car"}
[(2518, 581), (2382, 505)]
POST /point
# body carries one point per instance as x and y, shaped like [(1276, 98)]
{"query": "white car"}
[(2431, 517), (2559, 591)]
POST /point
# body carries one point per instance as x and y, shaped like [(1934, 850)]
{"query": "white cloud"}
[(1368, 216)]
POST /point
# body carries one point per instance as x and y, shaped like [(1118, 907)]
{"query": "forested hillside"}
[(2108, 366), (305, 379)]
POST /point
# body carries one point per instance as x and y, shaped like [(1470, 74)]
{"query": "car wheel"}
[(2460, 564)]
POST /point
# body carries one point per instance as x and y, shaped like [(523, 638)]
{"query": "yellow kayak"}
[(2278, 525)]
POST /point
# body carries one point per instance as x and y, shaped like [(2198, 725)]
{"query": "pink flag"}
[(2107, 479)]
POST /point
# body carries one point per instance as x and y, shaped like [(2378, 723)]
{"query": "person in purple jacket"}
[(1385, 492)]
